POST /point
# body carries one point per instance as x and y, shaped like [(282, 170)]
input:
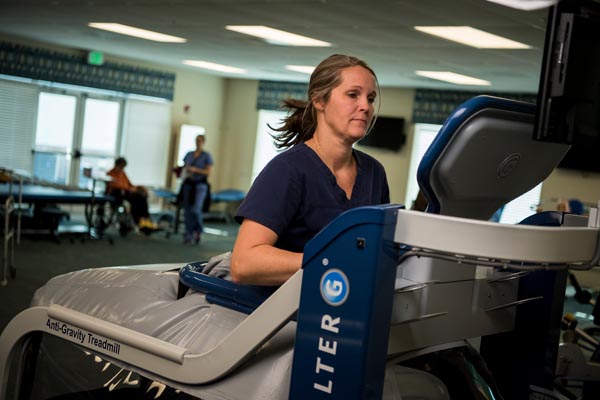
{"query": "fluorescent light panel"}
[(525, 5), (214, 67), (136, 32), (472, 37), (453, 78), (275, 36), (305, 69)]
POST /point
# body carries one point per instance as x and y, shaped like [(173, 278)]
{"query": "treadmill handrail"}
[(149, 353), (117, 333), (537, 244)]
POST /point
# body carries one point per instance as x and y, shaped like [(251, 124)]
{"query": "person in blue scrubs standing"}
[(194, 189), (318, 177)]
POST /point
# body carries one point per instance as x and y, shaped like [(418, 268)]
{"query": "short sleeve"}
[(274, 197), (385, 192)]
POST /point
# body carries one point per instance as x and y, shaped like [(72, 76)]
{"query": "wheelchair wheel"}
[(124, 230), (102, 217), (124, 221)]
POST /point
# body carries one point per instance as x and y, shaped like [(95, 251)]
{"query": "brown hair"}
[(121, 162), (301, 122)]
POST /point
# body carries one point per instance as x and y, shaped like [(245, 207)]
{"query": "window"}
[(55, 121), (146, 141), (521, 207), (72, 128), (64, 147), (187, 140), (99, 138), (54, 133), (100, 127), (18, 103), (264, 148), (423, 136)]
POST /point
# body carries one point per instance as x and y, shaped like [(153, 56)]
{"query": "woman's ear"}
[(318, 105)]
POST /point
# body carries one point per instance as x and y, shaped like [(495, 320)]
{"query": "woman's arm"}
[(256, 261), (119, 180), (195, 170)]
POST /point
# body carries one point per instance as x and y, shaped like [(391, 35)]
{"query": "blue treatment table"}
[(38, 196), (15, 195), (43, 194)]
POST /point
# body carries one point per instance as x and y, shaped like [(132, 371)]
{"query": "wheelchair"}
[(107, 213)]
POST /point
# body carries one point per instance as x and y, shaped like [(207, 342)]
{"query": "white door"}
[(73, 132)]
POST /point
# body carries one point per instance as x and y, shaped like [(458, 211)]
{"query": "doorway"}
[(75, 132)]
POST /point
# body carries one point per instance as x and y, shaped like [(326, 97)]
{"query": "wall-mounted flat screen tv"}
[(387, 133)]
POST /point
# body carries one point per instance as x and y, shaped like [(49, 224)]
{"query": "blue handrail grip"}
[(380, 215), (245, 295), (246, 298), (228, 303), (452, 124), (545, 218)]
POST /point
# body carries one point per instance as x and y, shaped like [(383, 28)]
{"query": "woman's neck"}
[(340, 161), (336, 156)]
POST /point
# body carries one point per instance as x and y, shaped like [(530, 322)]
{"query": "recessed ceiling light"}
[(472, 37), (214, 67), (305, 69), (525, 5), (275, 36), (137, 32), (453, 78)]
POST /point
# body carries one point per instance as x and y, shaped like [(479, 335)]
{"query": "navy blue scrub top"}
[(203, 161), (296, 195)]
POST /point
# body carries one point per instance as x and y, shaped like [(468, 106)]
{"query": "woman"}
[(316, 179), (197, 166)]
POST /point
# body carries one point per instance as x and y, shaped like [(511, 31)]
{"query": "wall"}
[(396, 102), (239, 127), (239, 123), (205, 96), (568, 184), (227, 109), (202, 92)]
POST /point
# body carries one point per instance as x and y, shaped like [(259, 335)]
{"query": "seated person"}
[(121, 188), (320, 175)]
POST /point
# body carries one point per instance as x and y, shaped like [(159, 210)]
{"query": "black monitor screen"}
[(569, 93), (387, 133)]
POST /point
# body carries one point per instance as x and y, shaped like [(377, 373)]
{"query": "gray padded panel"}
[(491, 160)]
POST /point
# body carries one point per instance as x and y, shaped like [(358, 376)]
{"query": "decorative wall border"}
[(54, 66), (271, 94), (434, 106)]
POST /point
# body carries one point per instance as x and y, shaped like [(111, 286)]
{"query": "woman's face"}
[(199, 142), (349, 111)]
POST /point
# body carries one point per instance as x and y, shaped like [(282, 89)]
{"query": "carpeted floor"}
[(39, 258)]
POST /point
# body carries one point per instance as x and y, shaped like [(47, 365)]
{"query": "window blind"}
[(146, 129), (18, 104)]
